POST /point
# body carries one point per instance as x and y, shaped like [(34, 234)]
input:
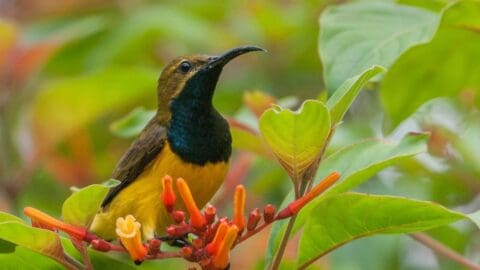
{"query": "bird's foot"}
[(175, 241)]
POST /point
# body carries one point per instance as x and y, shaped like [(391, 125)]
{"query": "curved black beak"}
[(223, 59)]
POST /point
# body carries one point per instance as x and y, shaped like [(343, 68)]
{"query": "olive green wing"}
[(139, 156)]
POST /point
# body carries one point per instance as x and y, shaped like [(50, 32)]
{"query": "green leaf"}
[(246, 140), (5, 217), (132, 124), (433, 5), (82, 205), (356, 164), (353, 37), (296, 138), (346, 217), (441, 68), (23, 258), (64, 106), (41, 241), (344, 96)]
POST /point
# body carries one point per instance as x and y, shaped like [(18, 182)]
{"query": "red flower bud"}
[(178, 216), (197, 243), (101, 245), (253, 219), (154, 246), (210, 212), (187, 252), (269, 213)]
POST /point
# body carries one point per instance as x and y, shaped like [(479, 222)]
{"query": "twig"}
[(281, 249), (305, 186), (444, 250), (72, 263)]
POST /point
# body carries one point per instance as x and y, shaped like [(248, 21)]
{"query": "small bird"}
[(186, 138)]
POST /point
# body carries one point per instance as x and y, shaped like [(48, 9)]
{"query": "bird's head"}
[(191, 79)]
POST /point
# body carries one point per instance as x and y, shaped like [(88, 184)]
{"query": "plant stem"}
[(283, 244), (444, 250), (72, 263)]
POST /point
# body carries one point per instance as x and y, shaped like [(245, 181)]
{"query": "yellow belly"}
[(142, 197)]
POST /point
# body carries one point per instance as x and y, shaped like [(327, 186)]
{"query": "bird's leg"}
[(175, 241)]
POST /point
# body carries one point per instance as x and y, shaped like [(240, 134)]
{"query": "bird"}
[(187, 137)]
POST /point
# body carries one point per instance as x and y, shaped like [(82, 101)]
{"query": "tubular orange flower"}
[(43, 219), (221, 258), (168, 195), (196, 218), (239, 207), (128, 230), (295, 206), (218, 238)]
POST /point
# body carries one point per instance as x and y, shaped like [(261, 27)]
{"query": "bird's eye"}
[(185, 66)]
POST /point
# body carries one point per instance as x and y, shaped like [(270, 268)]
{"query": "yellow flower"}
[(128, 231)]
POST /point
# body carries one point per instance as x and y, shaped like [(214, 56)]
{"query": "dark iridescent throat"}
[(197, 132)]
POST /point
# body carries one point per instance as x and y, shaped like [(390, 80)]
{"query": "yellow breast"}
[(142, 197)]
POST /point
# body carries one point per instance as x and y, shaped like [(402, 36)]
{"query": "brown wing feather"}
[(140, 154)]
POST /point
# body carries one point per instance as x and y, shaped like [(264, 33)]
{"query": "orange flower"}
[(222, 256), (295, 206), (239, 207), (218, 238), (196, 218), (46, 221), (168, 195), (128, 230)]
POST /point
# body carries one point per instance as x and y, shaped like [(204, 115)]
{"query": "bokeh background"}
[(69, 70)]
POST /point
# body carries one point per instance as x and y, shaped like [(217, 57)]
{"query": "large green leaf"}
[(41, 241), (63, 106), (353, 37), (344, 96), (439, 68), (346, 217), (356, 164), (23, 258), (82, 205), (296, 138)]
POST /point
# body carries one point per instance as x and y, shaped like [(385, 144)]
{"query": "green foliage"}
[(356, 164), (344, 96), (441, 68), (356, 36), (296, 138), (95, 66), (82, 205), (41, 241), (132, 124), (86, 98), (353, 215)]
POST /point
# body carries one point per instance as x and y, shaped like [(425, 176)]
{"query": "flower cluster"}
[(203, 236)]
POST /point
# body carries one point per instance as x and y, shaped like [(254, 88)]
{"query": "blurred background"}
[(69, 70)]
